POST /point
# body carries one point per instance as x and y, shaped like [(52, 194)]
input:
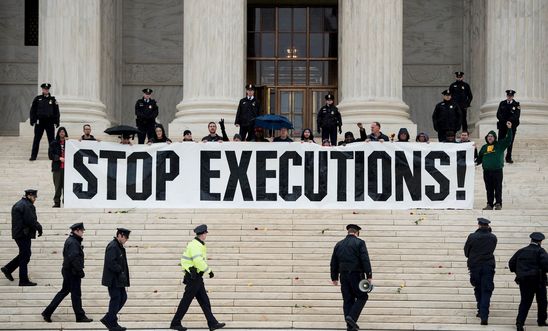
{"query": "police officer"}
[(146, 111), (328, 120), (248, 110), (530, 265), (479, 249), (116, 278), (44, 114), (509, 111), (350, 262), (194, 264), (446, 116), (24, 225), (461, 93), (73, 272)]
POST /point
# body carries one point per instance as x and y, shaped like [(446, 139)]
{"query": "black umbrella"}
[(122, 130)]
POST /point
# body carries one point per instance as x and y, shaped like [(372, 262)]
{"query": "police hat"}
[(446, 92), (77, 226), (31, 192), (459, 73), (124, 231), (250, 87), (46, 86), (353, 226), (483, 221), (147, 91), (537, 236), (329, 96), (200, 229), (510, 92)]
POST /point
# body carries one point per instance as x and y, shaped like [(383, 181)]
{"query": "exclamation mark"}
[(461, 174)]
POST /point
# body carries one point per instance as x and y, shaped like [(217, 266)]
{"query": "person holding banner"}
[(350, 262), (212, 136), (56, 154), (491, 157), (194, 264)]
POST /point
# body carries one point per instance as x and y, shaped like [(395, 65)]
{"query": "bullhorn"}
[(366, 286)]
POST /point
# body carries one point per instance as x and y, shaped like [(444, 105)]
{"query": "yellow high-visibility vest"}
[(195, 256)]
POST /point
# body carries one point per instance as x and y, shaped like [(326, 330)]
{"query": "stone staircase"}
[(272, 266)]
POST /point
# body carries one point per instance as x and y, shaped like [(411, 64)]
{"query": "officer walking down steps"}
[(350, 262), (194, 263)]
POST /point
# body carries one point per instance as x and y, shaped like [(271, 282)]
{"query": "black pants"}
[(442, 136), (118, 298), (493, 185), (464, 121), (481, 277), (195, 288), (39, 128), (331, 134), (502, 133), (71, 284), (58, 182), (528, 290), (146, 131), (248, 132), (353, 299), (22, 260)]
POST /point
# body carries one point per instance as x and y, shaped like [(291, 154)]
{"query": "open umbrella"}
[(122, 130), (273, 122)]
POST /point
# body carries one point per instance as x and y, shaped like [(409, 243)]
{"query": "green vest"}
[(195, 256)]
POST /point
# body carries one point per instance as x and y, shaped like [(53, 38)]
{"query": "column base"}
[(74, 114), (391, 114), (533, 119)]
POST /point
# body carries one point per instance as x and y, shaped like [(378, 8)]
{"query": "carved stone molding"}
[(18, 73), (429, 75), (153, 74)]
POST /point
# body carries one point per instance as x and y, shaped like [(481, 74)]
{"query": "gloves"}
[(340, 130), (222, 123), (39, 233), (319, 131), (32, 123), (211, 274), (81, 274), (56, 125)]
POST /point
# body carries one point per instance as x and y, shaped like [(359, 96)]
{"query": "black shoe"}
[(32, 159), (216, 326), (542, 323), (119, 328), (352, 323), (509, 161), (27, 283), (177, 327), (7, 274), (484, 322), (108, 326), (56, 206), (47, 318), (519, 327), (84, 319)]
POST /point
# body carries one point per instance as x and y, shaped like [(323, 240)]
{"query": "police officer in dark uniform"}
[(44, 114), (479, 249), (462, 94), (446, 116), (73, 272), (328, 120), (509, 111), (530, 265), (116, 278), (146, 111), (24, 225), (350, 262), (248, 110)]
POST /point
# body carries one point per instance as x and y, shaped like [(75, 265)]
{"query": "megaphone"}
[(366, 286)]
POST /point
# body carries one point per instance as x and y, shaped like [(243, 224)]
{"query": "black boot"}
[(7, 274), (46, 317), (350, 321), (216, 326)]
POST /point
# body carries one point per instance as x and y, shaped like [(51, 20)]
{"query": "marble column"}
[(213, 65), (69, 57), (370, 64), (516, 40)]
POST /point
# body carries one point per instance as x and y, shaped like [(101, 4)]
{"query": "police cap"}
[(200, 229), (510, 92), (459, 73), (45, 86), (147, 91), (123, 231), (446, 92), (537, 236), (329, 96), (31, 192), (483, 221), (77, 226), (250, 87), (353, 226)]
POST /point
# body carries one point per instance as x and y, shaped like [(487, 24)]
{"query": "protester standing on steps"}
[(24, 225), (491, 157), (350, 262), (73, 272), (479, 249), (530, 265), (56, 154), (194, 264), (44, 114), (116, 278)]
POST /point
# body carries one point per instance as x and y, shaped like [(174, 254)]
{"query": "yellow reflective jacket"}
[(195, 256)]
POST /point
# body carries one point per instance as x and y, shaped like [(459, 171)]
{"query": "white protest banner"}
[(269, 175)]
